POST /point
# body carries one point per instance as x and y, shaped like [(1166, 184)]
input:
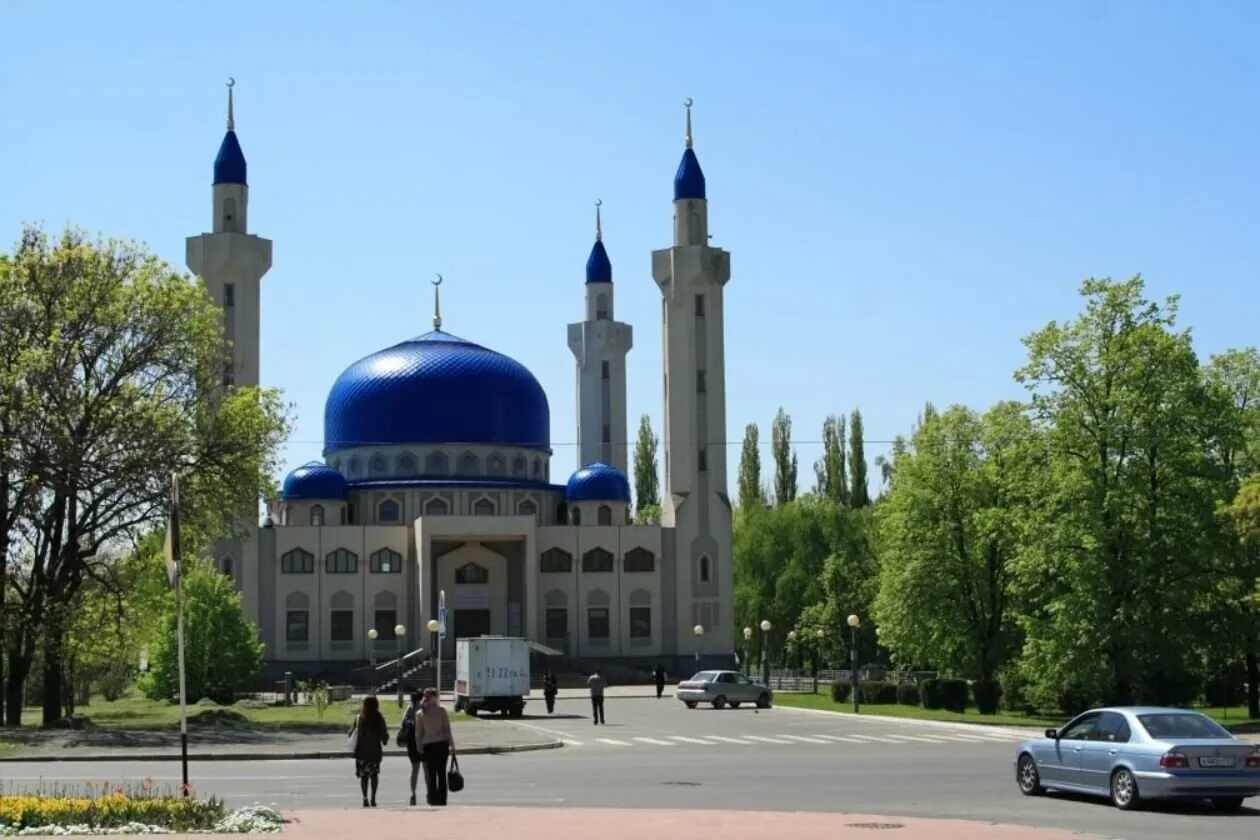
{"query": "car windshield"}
[(1182, 725), (705, 676)]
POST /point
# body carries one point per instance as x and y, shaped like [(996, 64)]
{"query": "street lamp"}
[(747, 647), (400, 633), (818, 640), (765, 663), (699, 631), (434, 626), (372, 636), (854, 624)]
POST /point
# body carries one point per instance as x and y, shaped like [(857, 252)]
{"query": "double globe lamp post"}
[(372, 637), (765, 660), (747, 649), (854, 623), (698, 630)]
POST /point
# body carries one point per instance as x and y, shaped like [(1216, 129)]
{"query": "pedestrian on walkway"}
[(549, 691), (437, 746), (596, 684), (370, 735), (659, 675), (407, 737)]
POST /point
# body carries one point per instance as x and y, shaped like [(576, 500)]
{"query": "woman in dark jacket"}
[(370, 737), (407, 738)]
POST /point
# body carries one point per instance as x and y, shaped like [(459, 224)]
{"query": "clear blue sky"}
[(906, 188)]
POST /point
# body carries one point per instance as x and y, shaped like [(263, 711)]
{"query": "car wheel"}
[(1227, 803), (763, 702), (719, 702), (1124, 790), (1027, 776), (735, 704), (690, 704)]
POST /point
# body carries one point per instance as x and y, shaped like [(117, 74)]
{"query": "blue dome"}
[(598, 266), (436, 388), (229, 164), (313, 481), (689, 180), (598, 483)]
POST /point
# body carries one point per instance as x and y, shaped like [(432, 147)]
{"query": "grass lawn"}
[(1231, 718)]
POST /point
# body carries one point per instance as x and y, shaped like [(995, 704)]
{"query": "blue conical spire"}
[(229, 164), (689, 180), (598, 266)]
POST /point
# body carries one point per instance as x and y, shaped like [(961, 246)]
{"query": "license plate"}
[(1216, 761)]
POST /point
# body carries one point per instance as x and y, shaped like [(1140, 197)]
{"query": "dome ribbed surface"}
[(598, 483)]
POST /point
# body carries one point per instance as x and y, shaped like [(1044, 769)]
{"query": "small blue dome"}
[(598, 266), (598, 483), (436, 388), (313, 481), (689, 180), (229, 164)]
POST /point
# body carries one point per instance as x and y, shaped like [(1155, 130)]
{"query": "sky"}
[(907, 189)]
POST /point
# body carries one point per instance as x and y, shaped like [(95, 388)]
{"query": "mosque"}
[(436, 479)]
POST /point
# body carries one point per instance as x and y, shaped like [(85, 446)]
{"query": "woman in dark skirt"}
[(371, 736)]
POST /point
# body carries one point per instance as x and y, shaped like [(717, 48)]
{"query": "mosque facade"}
[(436, 478)]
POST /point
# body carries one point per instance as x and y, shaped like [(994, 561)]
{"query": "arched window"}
[(536, 469), (518, 466), (377, 466), (407, 464), (343, 561), (317, 515), (468, 464), (555, 561), (436, 507), (527, 508), (705, 571), (562, 514), (385, 561), (484, 507), (341, 619), (388, 511), (496, 465), (597, 560), (297, 619), (605, 515), (575, 515), (352, 468), (640, 560), (472, 573), (437, 463), (297, 561)]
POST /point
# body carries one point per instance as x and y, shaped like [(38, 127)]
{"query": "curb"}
[(255, 756)]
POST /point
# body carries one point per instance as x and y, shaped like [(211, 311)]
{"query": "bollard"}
[(288, 688)]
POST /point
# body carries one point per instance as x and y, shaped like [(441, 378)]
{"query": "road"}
[(659, 754)]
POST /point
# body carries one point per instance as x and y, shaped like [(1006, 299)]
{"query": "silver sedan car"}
[(722, 688), (1129, 754)]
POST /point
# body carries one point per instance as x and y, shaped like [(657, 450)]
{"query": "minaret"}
[(230, 260), (691, 275), (600, 345)]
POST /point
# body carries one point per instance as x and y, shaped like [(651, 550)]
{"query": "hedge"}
[(988, 694), (878, 692), (841, 691), (908, 694)]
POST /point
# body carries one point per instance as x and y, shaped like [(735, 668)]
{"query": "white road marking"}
[(804, 739), (841, 739), (765, 740), (654, 741), (568, 742), (688, 740), (727, 740), (919, 738), (877, 738), (614, 742)]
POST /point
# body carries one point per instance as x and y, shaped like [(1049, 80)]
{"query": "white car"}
[(723, 688)]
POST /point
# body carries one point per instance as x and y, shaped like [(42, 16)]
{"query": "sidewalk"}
[(635, 824)]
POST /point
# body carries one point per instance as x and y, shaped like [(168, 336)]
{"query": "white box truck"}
[(491, 675)]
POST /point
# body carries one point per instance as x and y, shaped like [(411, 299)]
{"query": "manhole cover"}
[(875, 825), (682, 784)]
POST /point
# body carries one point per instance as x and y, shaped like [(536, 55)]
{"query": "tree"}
[(647, 486), (222, 651), (751, 493), (952, 531), (832, 482), (785, 485), (859, 492), (126, 373), (1122, 539)]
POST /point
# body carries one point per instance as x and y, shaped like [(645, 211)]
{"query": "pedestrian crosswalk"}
[(925, 738)]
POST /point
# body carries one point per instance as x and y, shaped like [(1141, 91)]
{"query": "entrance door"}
[(471, 623)]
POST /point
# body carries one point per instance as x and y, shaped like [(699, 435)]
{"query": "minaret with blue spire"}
[(600, 345), (692, 275), (230, 260)]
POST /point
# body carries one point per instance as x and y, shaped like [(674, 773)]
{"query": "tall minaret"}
[(231, 260), (600, 345), (691, 276)]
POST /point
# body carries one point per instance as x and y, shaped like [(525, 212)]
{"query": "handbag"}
[(404, 731), (353, 741), (454, 778)]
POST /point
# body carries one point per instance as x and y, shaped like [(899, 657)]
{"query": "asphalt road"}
[(659, 754)]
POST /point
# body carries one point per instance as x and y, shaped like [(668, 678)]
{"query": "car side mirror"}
[(1052, 734)]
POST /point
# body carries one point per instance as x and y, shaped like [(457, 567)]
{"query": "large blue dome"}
[(313, 481), (436, 388), (598, 483)]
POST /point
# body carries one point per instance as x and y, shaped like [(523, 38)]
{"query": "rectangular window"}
[(700, 382), (640, 622), (385, 621), (341, 625), (557, 623), (702, 460), (605, 370), (597, 626), (297, 626), (699, 306), (229, 294)]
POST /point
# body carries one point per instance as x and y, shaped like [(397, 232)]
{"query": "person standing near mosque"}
[(596, 684)]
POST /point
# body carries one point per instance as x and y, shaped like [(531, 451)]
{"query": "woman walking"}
[(409, 738), (437, 745), (550, 691), (370, 736)]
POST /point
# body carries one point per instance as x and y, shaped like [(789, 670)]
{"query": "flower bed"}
[(112, 809)]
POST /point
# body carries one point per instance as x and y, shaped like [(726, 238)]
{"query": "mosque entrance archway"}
[(471, 623)]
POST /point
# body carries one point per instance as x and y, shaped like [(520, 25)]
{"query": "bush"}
[(841, 691), (932, 697), (954, 695), (1013, 686), (878, 691), (908, 694), (988, 694)]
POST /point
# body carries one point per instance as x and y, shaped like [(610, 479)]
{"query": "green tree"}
[(1118, 567), (647, 486), (951, 531), (831, 479), (859, 490), (785, 484), (751, 492), (126, 373), (222, 651)]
